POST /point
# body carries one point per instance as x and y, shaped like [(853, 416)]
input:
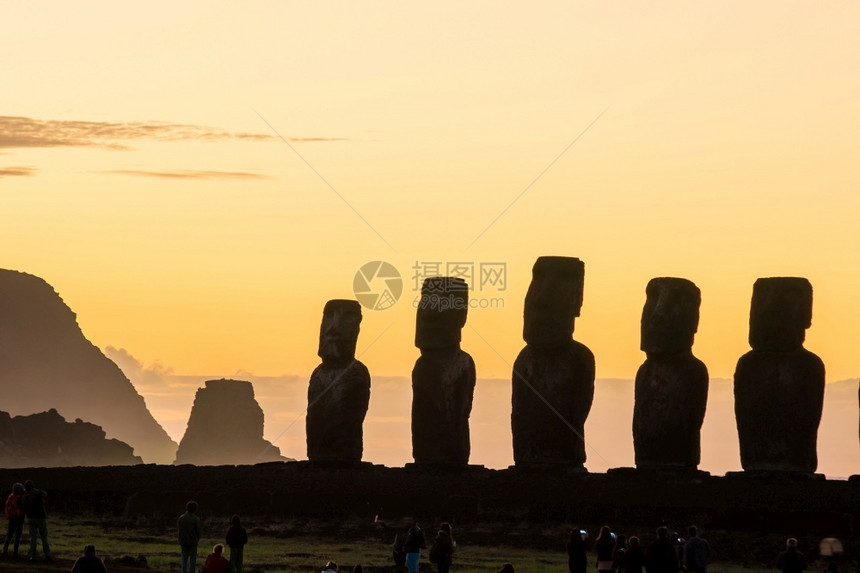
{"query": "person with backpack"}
[(412, 547), (442, 550), (14, 511), (34, 509)]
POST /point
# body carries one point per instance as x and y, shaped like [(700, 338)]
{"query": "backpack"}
[(435, 551), (14, 508)]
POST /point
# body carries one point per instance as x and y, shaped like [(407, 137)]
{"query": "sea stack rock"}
[(443, 379), (46, 440), (779, 385), (339, 389), (225, 427), (672, 384), (46, 362), (553, 378)]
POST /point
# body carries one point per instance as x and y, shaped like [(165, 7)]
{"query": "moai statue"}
[(779, 385), (443, 380), (339, 390), (672, 384), (553, 378)]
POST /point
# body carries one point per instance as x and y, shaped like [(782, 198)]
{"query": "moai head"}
[(441, 312), (670, 317), (339, 331), (780, 313), (553, 300)]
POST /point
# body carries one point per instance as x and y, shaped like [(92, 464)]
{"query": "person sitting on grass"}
[(330, 567), (88, 562), (216, 563), (791, 560)]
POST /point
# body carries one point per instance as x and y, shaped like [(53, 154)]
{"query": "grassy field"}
[(274, 547)]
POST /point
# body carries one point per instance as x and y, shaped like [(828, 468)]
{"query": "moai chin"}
[(779, 385), (339, 389), (671, 385), (553, 377), (443, 379)]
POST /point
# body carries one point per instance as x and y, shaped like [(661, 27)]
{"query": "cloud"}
[(25, 132), (17, 171), (190, 174), (153, 376)]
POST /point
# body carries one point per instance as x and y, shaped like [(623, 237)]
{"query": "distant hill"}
[(46, 362), (47, 440)]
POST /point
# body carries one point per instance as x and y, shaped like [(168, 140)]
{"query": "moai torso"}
[(339, 389), (672, 385), (553, 378), (779, 385), (443, 379)]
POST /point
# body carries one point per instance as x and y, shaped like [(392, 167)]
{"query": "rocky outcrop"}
[(46, 362), (226, 427), (47, 440)]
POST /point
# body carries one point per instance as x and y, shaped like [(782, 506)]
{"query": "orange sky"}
[(143, 176)]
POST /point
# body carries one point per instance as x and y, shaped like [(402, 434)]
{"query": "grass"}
[(279, 547)]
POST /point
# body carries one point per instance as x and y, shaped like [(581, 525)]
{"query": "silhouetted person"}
[(236, 539), (506, 568), (577, 560), (634, 557), (34, 508), (791, 560), (443, 379), (672, 384), (330, 567), (442, 551), (215, 562), (89, 562), (661, 556), (553, 377), (358, 569), (779, 385), (412, 547), (619, 552), (603, 546), (697, 552), (14, 511), (339, 389), (190, 530)]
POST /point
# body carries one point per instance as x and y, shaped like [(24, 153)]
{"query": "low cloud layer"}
[(17, 171), (27, 132), (18, 132), (190, 174)]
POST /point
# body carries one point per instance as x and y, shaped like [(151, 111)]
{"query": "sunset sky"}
[(197, 179)]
